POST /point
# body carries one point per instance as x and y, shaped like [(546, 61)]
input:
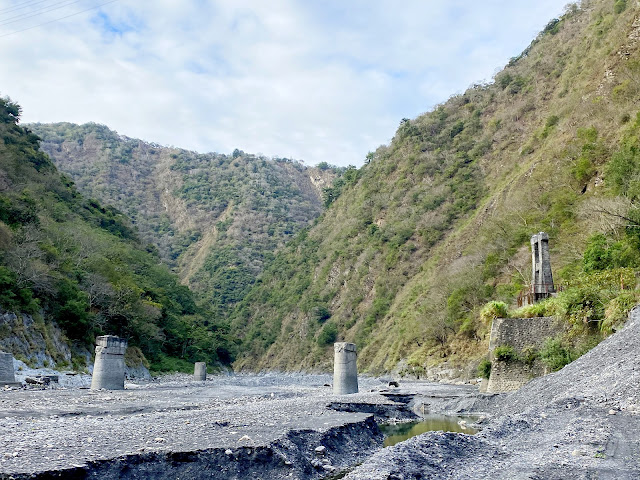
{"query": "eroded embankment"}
[(193, 430), (292, 456)]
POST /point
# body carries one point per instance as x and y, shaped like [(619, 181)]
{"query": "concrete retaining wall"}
[(521, 334)]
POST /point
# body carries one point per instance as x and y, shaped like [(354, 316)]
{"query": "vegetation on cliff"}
[(216, 218), (67, 258), (437, 223)]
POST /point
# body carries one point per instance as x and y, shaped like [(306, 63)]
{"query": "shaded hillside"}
[(438, 222), (68, 259), (217, 218)]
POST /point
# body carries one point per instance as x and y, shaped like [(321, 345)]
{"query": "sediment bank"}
[(228, 428)]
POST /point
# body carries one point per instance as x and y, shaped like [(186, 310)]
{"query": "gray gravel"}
[(579, 423), (237, 424)]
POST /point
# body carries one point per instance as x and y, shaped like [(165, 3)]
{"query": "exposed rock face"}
[(40, 343)]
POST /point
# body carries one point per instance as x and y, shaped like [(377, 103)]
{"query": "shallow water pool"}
[(431, 423)]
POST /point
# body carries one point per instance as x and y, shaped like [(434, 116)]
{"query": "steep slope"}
[(69, 260), (439, 221), (578, 423), (217, 218)]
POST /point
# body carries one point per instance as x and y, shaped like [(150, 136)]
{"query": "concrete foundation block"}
[(7, 375), (345, 369), (108, 368), (200, 371)]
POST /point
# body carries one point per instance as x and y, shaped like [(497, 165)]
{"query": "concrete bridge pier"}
[(7, 375), (345, 370), (108, 368), (200, 371)]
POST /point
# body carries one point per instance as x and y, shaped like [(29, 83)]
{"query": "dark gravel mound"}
[(579, 423)]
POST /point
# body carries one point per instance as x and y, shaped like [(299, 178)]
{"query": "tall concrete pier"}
[(7, 376), (541, 277), (108, 368), (345, 369), (200, 371)]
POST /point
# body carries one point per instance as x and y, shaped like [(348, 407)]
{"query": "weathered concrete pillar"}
[(200, 371), (7, 376), (345, 369), (541, 277), (108, 368)]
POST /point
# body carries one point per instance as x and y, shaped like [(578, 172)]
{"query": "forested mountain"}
[(69, 259), (417, 248), (216, 218), (437, 224)]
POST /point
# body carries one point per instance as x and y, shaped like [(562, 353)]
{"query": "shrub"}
[(493, 310), (620, 6), (616, 312), (484, 369), (530, 311), (582, 304), (505, 353), (529, 355), (322, 314), (328, 334), (555, 355), (165, 363), (468, 327)]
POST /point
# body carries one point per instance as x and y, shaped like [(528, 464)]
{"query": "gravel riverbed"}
[(579, 423), (266, 426)]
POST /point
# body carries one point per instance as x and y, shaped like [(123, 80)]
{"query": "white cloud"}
[(313, 80)]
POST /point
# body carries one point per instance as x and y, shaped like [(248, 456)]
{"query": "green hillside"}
[(215, 218), (69, 259), (437, 223)]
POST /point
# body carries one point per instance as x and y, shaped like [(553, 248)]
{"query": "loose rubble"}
[(579, 423), (270, 426)]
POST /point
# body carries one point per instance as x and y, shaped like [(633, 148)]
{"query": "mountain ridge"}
[(215, 218), (444, 213)]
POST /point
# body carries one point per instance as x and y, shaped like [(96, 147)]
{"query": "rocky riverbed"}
[(579, 423), (268, 426)]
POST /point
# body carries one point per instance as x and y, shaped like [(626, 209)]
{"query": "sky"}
[(312, 80)]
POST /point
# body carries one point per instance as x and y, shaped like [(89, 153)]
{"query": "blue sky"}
[(306, 79)]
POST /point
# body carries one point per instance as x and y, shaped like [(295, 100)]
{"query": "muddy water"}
[(431, 423)]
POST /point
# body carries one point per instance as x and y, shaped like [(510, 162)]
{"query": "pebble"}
[(320, 450)]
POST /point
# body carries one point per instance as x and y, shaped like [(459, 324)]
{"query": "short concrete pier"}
[(345, 369), (7, 375), (108, 368), (200, 371)]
